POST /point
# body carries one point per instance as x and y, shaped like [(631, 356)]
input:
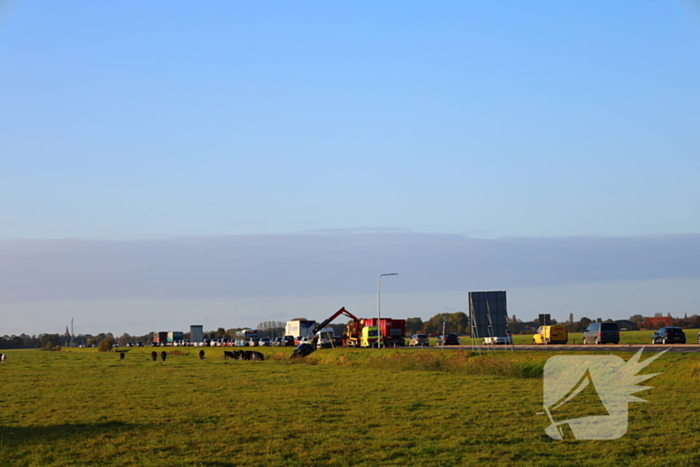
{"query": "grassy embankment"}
[(337, 407)]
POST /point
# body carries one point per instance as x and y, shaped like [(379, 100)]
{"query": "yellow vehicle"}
[(369, 336), (551, 335)]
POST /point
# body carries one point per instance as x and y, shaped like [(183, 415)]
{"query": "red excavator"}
[(352, 332)]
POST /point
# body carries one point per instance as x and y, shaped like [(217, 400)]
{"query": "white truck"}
[(300, 327)]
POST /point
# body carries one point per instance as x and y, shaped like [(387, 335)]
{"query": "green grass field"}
[(337, 407)]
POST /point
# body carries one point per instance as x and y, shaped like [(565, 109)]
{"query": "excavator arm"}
[(325, 323), (302, 350)]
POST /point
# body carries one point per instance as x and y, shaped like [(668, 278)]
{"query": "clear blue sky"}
[(131, 118), (167, 119)]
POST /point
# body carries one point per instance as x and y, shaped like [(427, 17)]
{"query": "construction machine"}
[(352, 331)]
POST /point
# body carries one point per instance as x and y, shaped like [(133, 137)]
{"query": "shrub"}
[(50, 346), (105, 345)]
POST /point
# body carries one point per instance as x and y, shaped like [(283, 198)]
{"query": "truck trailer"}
[(174, 336), (393, 331), (160, 338), (299, 328)]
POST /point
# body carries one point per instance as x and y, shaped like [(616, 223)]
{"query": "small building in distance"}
[(657, 322)]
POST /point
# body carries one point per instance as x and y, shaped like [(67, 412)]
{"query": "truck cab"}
[(370, 336)]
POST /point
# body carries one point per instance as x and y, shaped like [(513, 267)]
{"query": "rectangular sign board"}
[(488, 314)]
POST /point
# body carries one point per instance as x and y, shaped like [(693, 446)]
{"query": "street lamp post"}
[(379, 309)]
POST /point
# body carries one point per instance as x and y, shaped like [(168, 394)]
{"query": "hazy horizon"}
[(233, 281)]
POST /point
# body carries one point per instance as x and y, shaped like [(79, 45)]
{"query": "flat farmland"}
[(337, 407)]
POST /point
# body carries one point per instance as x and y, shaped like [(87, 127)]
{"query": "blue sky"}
[(230, 121)]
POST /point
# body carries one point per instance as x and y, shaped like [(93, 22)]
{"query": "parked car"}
[(288, 341), (264, 342), (419, 339), (323, 342), (668, 335), (449, 339), (602, 333), (497, 340)]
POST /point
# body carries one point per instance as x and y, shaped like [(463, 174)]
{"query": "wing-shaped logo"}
[(597, 388)]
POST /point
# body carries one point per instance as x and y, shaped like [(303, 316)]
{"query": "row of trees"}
[(40, 341), (449, 322)]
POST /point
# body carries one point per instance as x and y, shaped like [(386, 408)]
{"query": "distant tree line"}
[(40, 341), (449, 322)]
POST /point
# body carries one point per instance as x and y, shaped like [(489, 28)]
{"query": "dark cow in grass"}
[(154, 355), (121, 356), (244, 355), (163, 354), (251, 355), (201, 354)]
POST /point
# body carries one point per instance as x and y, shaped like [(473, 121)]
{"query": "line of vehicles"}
[(605, 333), (388, 332), (595, 334)]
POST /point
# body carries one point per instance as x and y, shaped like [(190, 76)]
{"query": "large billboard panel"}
[(488, 314)]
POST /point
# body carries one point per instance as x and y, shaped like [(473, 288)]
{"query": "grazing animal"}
[(121, 356), (154, 355), (163, 354), (201, 354), (258, 356), (2, 358), (228, 354)]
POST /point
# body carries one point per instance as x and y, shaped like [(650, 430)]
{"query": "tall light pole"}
[(379, 309)]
